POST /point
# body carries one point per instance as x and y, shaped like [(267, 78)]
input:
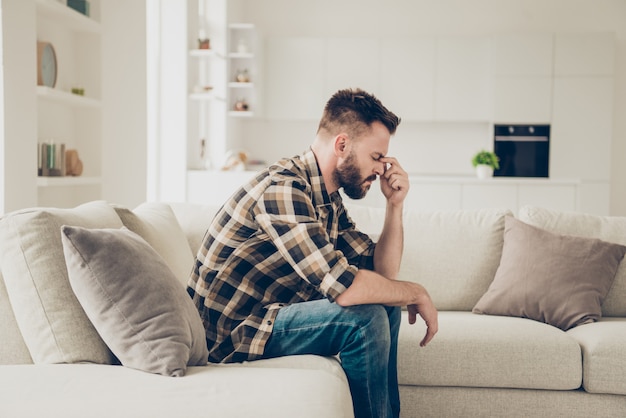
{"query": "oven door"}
[(522, 155)]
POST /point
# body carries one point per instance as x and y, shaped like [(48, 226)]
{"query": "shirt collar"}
[(320, 194)]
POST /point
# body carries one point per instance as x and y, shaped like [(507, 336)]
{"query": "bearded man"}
[(283, 270)]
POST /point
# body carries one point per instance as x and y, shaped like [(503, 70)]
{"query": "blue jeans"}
[(364, 336)]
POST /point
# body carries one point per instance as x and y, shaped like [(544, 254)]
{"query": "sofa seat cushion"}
[(309, 387), (604, 364), (489, 351)]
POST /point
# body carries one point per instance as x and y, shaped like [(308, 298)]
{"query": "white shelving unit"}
[(67, 17), (242, 62), (212, 83), (206, 73), (68, 181), (64, 117), (68, 99)]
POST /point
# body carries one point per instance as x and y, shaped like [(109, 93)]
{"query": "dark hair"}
[(354, 110)]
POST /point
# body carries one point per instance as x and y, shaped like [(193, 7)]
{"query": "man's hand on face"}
[(394, 183)]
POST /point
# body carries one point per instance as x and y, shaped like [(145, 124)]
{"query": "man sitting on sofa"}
[(283, 271)]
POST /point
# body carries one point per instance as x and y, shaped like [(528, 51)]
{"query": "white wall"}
[(358, 19), (18, 143), (124, 102)]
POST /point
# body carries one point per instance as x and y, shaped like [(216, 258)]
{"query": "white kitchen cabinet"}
[(295, 79), (435, 193), (428, 196), (519, 99), (562, 197), (582, 116), (353, 62), (422, 79), (523, 54), (578, 54), (425, 195), (489, 195), (463, 86), (523, 78), (595, 197), (408, 77), (582, 128)]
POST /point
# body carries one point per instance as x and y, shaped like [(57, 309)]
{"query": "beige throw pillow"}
[(557, 279), (156, 223), (51, 320), (133, 299)]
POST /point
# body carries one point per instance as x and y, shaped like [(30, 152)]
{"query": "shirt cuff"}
[(338, 279)]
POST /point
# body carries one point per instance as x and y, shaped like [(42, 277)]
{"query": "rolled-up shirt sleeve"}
[(286, 214), (355, 245)]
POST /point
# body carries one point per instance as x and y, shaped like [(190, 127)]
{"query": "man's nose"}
[(380, 169)]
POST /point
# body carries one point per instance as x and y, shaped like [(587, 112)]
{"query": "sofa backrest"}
[(453, 254), (194, 219)]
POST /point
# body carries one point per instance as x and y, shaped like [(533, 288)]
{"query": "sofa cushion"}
[(134, 300), (53, 324), (156, 223), (557, 279), (253, 389), (607, 228), (604, 363), (453, 254), (13, 349), (489, 351)]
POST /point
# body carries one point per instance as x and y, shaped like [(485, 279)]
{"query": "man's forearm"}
[(390, 245), (369, 287)]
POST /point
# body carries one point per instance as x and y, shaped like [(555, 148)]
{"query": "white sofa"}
[(477, 366)]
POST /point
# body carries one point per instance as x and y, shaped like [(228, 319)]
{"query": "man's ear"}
[(342, 145)]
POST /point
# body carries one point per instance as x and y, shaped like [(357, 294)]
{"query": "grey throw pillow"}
[(557, 279), (134, 301)]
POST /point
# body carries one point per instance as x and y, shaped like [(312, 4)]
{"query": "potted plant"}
[(485, 162)]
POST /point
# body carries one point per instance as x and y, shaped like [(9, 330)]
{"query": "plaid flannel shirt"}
[(280, 239)]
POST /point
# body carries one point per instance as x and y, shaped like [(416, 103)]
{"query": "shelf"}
[(248, 55), (68, 181), (248, 26), (241, 113), (67, 16), (66, 98), (202, 53), (205, 97), (238, 85)]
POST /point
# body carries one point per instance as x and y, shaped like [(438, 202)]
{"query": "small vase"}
[(484, 171)]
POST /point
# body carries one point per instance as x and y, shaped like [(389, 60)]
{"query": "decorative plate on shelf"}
[(46, 64)]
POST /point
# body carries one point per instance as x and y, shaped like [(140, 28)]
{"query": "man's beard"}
[(348, 177)]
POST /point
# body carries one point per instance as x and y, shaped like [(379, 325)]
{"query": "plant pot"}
[(484, 171)]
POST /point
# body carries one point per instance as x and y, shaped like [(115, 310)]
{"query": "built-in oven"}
[(524, 150)]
